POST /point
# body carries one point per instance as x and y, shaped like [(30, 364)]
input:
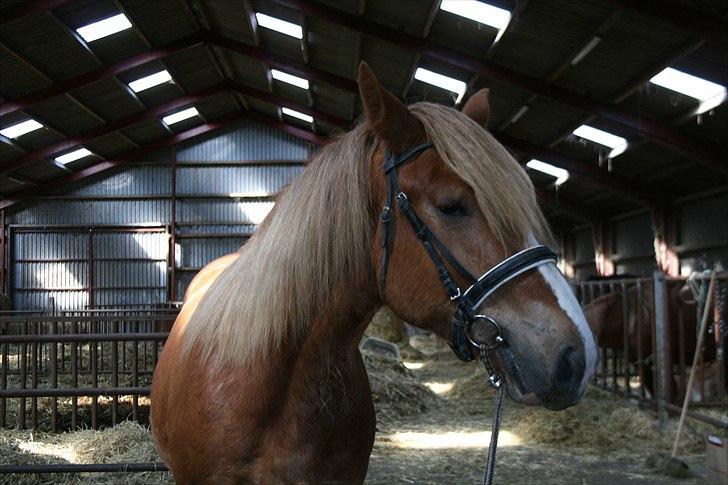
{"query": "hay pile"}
[(395, 390), (608, 424), (126, 442), (385, 325)]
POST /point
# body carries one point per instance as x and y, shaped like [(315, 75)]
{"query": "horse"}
[(605, 315), (261, 379)]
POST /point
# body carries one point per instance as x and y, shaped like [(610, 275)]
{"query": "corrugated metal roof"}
[(542, 37)]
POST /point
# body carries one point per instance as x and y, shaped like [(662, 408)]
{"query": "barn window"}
[(297, 114), (104, 28), (289, 78), (180, 115), (279, 25), (708, 93), (560, 174), (73, 156), (447, 83), (150, 81), (20, 129), (496, 17), (616, 143)]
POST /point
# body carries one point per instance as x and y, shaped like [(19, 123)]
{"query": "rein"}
[(467, 302)]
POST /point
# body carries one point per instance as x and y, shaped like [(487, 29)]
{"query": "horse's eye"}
[(453, 209)]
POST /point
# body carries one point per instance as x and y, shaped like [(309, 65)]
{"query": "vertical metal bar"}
[(4, 379), (91, 269), (94, 378), (54, 375), (662, 362), (34, 378), (681, 347), (23, 376), (615, 385), (640, 350), (3, 272), (135, 374), (74, 377), (625, 328), (115, 374), (173, 231)]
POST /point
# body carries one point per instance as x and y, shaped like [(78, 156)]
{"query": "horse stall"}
[(648, 329), (351, 241)]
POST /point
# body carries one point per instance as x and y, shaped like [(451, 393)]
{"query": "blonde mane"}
[(322, 228)]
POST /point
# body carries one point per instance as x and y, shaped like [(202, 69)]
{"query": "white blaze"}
[(567, 301)]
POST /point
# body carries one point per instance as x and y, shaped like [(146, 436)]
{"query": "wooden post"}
[(664, 231), (663, 361), (603, 248)]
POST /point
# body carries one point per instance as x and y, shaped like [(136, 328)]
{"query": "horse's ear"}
[(478, 107), (386, 115)]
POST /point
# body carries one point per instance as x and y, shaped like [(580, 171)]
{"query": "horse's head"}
[(479, 203)]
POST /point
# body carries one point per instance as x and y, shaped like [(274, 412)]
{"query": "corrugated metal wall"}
[(106, 242), (702, 239)]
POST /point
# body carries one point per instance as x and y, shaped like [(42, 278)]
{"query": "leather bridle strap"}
[(480, 289)]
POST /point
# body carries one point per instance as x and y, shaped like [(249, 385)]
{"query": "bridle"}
[(466, 302)]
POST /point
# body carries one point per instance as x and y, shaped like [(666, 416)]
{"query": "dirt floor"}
[(433, 427)]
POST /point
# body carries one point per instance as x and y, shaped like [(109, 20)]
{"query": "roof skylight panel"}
[(616, 143), (560, 174), (484, 13), (19, 129), (287, 28), (708, 93), (150, 81), (180, 116), (104, 28), (447, 83), (289, 78), (73, 156), (297, 114)]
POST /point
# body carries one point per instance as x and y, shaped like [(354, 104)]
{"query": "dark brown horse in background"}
[(605, 315)]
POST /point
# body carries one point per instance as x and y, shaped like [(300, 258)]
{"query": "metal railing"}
[(647, 346), (60, 372)]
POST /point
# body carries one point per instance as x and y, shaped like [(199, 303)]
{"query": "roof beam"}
[(630, 188), (619, 185), (158, 145), (682, 17), (102, 72), (705, 152), (86, 137), (25, 9), (283, 63)]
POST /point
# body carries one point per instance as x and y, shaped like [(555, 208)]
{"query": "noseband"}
[(467, 302)]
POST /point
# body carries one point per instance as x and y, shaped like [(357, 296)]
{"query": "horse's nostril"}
[(570, 367)]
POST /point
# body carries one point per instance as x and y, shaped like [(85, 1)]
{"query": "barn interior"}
[(140, 140)]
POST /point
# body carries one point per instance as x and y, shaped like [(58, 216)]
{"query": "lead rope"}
[(496, 383)]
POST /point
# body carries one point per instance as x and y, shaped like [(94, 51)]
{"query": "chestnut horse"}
[(261, 379), (605, 315)]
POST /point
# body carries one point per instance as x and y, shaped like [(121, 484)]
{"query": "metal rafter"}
[(27, 8), (431, 13), (348, 85), (175, 139), (112, 127), (703, 151), (680, 16), (559, 70), (102, 72)]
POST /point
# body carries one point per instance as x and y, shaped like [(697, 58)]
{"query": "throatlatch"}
[(471, 299)]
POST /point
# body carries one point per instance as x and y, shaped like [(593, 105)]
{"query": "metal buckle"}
[(386, 214), (456, 296), (498, 340)]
